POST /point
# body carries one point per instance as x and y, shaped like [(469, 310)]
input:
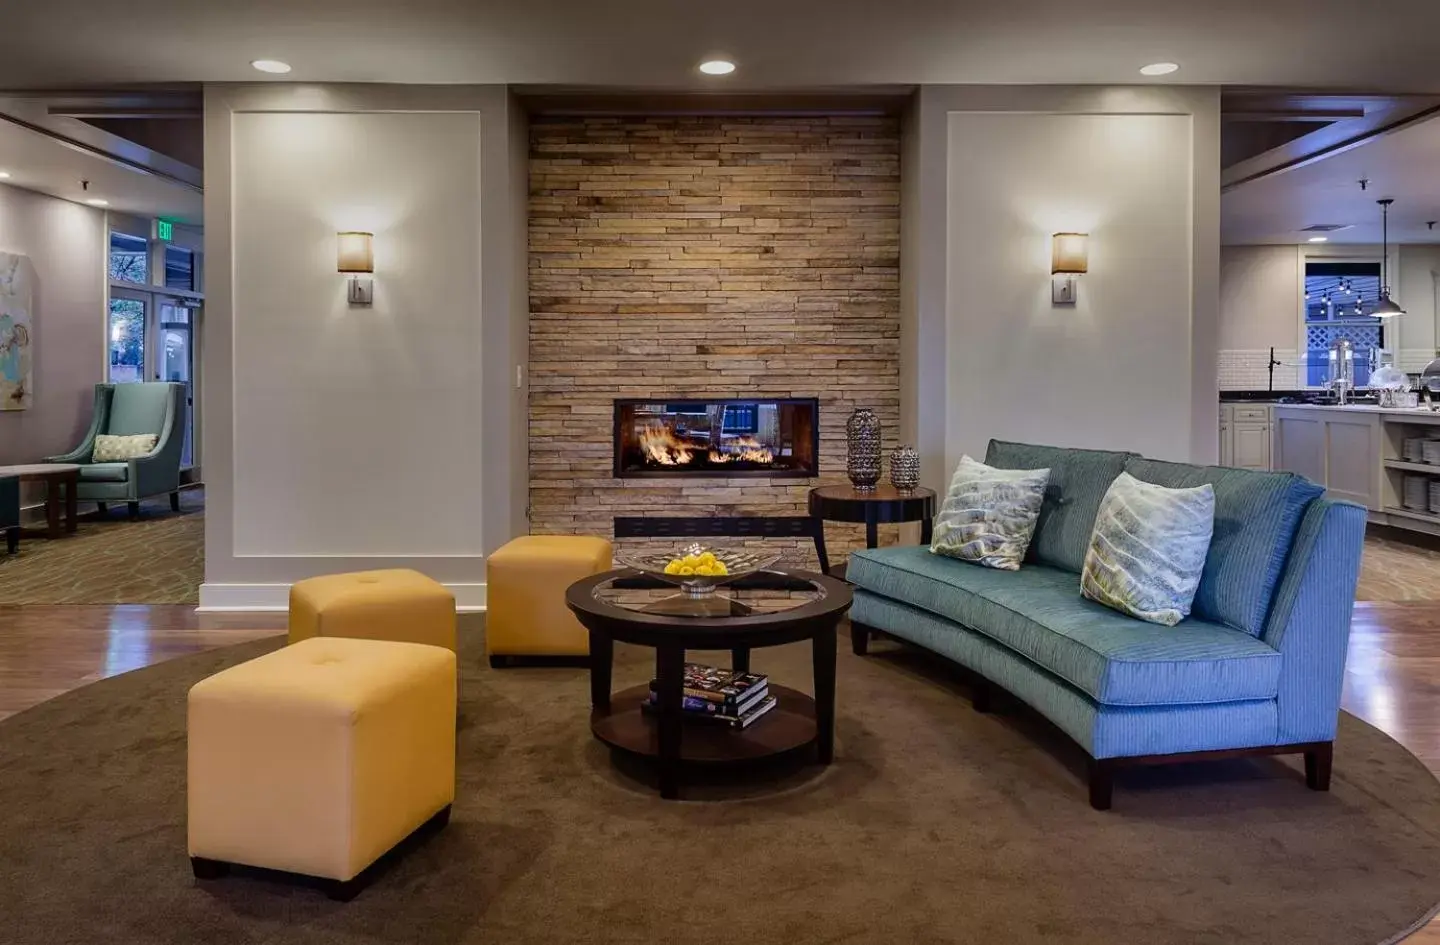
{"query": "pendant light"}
[(1386, 307)]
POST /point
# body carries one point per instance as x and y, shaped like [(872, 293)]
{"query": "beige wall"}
[(342, 438), (380, 392), (1418, 289), (66, 244), (1259, 299), (1133, 365)]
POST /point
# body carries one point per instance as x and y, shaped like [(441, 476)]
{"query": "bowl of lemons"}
[(700, 569)]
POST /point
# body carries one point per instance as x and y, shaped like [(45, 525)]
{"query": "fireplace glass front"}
[(717, 438)]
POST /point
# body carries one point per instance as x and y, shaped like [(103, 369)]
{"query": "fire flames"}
[(662, 446)]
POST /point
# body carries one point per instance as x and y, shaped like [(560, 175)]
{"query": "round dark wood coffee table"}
[(767, 609), (882, 505)]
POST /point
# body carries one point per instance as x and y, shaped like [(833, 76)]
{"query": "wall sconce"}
[(357, 255), (1069, 257)]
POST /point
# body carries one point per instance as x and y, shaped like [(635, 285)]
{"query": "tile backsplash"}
[(1247, 368)]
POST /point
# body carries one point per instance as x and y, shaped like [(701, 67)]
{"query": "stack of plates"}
[(1417, 493), (1435, 496), (1430, 452), (1414, 449)]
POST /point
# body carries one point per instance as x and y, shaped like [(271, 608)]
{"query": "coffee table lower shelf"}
[(789, 727)]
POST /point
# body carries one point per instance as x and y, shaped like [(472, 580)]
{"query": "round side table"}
[(883, 504)]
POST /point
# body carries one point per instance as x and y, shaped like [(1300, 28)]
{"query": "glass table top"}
[(761, 593)]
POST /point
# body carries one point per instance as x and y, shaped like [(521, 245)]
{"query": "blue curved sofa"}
[(1256, 669)]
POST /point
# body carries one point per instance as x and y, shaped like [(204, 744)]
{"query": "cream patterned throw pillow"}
[(117, 449), (989, 514), (1148, 549)]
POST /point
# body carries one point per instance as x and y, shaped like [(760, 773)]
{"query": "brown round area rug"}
[(934, 825)]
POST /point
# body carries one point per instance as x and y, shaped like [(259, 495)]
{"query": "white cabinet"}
[(1245, 436), (1251, 445)]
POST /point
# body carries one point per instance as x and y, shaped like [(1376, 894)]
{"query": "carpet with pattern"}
[(159, 559)]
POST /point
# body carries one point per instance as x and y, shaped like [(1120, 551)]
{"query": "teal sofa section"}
[(1256, 668), (126, 410)]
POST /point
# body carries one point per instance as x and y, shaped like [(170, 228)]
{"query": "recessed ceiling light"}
[(1319, 239), (4, 175), (1159, 68), (97, 202), (273, 66), (717, 67)]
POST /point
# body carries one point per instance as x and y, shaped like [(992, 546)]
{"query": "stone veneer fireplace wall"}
[(702, 258)]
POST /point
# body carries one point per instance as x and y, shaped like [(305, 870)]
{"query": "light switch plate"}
[(1062, 289)]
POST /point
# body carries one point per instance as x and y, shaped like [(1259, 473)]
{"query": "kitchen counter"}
[(1357, 453), (1421, 411)]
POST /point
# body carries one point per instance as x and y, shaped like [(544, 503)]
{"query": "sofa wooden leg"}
[(12, 539), (859, 638), (208, 869), (980, 699), (102, 508), (175, 501), (133, 508), (1317, 766), (1102, 783)]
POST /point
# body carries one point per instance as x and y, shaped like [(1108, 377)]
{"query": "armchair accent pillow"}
[(117, 449), (989, 514), (1148, 549)]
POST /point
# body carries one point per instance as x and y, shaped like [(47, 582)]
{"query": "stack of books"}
[(715, 696)]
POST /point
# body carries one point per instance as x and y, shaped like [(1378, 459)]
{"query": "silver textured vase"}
[(905, 468), (862, 457)]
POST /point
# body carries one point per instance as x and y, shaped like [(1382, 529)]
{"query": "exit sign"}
[(164, 230)]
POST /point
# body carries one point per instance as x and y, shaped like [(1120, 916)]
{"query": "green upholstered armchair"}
[(10, 511), (127, 410)]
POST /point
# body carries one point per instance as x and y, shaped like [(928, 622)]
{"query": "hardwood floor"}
[(1392, 678), (48, 650)]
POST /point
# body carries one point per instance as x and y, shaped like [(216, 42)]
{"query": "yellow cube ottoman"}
[(318, 758), (397, 604), (525, 583)]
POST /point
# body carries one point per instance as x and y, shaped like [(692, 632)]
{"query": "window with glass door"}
[(1339, 297), (177, 359), (129, 315), (153, 317), (129, 258)]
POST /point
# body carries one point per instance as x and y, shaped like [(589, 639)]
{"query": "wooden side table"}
[(54, 475), (883, 504)]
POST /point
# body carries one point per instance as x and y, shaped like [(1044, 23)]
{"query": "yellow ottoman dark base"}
[(525, 583), (320, 758)]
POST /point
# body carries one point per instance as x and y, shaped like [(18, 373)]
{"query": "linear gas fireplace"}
[(717, 437)]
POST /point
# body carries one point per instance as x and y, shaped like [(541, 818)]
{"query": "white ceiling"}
[(39, 162), (1404, 164), (1382, 45)]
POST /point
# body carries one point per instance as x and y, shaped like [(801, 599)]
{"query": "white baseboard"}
[(265, 598)]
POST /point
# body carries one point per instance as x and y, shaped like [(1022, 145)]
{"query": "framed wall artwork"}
[(17, 346)]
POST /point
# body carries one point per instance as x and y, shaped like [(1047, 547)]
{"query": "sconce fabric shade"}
[(357, 253), (1068, 253)]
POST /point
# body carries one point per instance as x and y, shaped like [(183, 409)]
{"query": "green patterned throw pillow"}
[(1148, 549), (117, 449), (989, 514)]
